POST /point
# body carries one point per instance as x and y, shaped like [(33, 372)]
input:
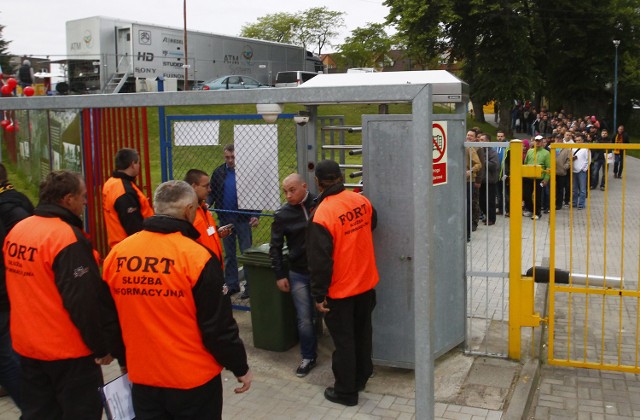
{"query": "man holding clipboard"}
[(176, 318)]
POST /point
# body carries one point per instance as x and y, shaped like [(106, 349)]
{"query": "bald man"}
[(290, 222)]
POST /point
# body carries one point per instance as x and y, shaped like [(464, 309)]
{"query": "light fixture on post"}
[(616, 43), (270, 112), (302, 118)]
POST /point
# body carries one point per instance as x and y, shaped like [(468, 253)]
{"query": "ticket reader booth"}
[(390, 184)]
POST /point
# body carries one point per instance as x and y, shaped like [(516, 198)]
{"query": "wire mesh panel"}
[(264, 155)]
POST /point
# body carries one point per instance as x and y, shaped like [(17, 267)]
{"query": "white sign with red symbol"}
[(439, 152)]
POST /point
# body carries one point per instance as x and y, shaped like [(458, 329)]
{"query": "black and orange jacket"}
[(340, 245), (177, 323), (124, 206), (204, 223), (60, 307)]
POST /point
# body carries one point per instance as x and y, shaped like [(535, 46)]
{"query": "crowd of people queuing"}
[(585, 169), (162, 306)]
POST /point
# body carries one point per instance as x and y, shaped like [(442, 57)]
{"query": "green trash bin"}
[(273, 316)]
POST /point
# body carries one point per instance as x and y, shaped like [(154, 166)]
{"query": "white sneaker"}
[(535, 217), (527, 213)]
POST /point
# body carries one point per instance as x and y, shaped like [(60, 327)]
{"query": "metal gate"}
[(594, 319)]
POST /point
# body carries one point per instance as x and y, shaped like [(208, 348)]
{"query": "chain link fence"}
[(264, 155)]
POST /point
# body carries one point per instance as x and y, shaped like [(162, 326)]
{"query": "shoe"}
[(305, 367), (506, 214), (558, 207), (348, 400), (592, 188), (566, 205), (545, 211), (602, 188), (498, 212), (474, 228), (527, 213), (244, 295), (535, 217), (580, 208)]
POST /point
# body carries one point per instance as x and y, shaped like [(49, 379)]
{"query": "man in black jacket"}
[(224, 198), (14, 206), (290, 222)]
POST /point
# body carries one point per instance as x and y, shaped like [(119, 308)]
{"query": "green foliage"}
[(365, 46), (277, 27), (313, 28), (4, 52), (522, 49)]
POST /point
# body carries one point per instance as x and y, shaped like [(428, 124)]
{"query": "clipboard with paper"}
[(116, 397)]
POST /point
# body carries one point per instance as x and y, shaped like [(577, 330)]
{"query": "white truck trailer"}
[(109, 55)]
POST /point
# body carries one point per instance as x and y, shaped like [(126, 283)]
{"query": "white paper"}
[(117, 399), (196, 133), (257, 182)]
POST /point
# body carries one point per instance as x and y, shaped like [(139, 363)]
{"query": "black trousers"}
[(562, 190), (349, 323), (61, 389), (488, 205), (156, 403), (528, 186)]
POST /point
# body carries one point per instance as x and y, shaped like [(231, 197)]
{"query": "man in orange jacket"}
[(210, 234), (124, 205), (343, 271), (63, 320), (176, 320)]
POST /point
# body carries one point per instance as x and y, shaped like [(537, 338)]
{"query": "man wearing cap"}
[(537, 155), (343, 276)]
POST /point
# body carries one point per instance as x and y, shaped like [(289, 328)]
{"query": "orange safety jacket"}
[(209, 237), (177, 324), (124, 206), (340, 245), (55, 288)]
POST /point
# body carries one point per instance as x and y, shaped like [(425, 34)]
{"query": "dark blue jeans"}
[(10, 376), (595, 173), (242, 236), (305, 312)]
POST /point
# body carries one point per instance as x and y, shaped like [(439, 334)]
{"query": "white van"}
[(361, 70), (293, 78)]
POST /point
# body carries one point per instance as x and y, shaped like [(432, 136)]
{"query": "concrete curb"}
[(523, 392)]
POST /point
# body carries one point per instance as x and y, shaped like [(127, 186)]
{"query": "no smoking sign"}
[(439, 133)]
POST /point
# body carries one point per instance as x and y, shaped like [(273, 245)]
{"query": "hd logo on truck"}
[(145, 56)]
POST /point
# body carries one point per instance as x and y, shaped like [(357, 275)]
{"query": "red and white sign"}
[(439, 152)]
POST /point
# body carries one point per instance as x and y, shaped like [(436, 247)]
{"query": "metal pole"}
[(186, 60), (616, 43)]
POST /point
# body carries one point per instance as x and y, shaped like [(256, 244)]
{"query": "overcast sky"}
[(39, 29)]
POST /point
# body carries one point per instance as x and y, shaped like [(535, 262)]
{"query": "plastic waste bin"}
[(273, 316)]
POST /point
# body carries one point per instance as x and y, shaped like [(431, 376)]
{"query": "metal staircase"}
[(118, 79)]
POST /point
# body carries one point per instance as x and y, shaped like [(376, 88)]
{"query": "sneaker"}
[(545, 211), (527, 213), (535, 217), (602, 188), (566, 205), (305, 367)]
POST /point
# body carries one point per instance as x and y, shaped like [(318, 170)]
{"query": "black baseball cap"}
[(328, 170)]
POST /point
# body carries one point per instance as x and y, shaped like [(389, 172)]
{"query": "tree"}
[(4, 52), (365, 46), (277, 27), (321, 26), (316, 26)]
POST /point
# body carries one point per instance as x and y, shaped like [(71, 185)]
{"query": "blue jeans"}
[(595, 173), (579, 189), (305, 312), (618, 164), (10, 376), (242, 234)]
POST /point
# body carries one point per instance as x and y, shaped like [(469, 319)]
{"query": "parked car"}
[(293, 78), (233, 82)]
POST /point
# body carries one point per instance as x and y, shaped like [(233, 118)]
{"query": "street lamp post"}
[(616, 43), (186, 60)]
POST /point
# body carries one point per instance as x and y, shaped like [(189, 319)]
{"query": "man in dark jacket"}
[(14, 207), (63, 320), (290, 222), (489, 181), (224, 196)]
